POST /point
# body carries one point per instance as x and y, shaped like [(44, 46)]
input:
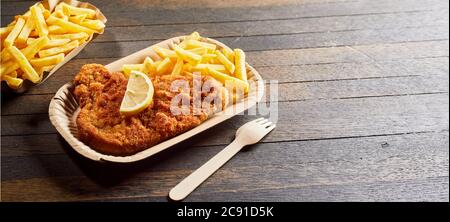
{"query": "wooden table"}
[(363, 106)]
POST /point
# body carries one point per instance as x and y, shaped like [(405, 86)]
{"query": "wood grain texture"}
[(362, 107), (126, 14), (290, 169)]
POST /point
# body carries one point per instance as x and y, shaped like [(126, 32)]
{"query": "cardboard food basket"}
[(51, 4), (64, 108)]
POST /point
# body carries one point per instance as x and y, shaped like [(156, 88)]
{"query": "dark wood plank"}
[(361, 53), (277, 42), (290, 26), (352, 88), (417, 190), (126, 14), (276, 170)]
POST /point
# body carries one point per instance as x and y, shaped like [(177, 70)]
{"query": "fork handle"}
[(185, 187)]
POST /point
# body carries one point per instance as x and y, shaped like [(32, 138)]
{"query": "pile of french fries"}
[(194, 55), (38, 40)]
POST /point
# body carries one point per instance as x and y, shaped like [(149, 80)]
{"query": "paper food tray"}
[(51, 4), (64, 108)]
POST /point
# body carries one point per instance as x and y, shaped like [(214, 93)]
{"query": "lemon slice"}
[(139, 94)]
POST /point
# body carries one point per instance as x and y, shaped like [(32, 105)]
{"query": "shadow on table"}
[(108, 174)]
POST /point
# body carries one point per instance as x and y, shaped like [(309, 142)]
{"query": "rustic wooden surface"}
[(363, 106)]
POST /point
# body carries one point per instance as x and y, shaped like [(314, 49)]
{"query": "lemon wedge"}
[(139, 94)]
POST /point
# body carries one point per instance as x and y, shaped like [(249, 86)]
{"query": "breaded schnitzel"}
[(102, 127)]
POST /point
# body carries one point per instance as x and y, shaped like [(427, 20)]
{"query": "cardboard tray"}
[(51, 4), (64, 108)]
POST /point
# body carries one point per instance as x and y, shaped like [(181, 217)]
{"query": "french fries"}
[(35, 42), (149, 66), (39, 20), (53, 20), (24, 64), (164, 66), (60, 49), (12, 81), (14, 32), (47, 61), (224, 60), (227, 80), (26, 30), (178, 66), (164, 52), (239, 60), (127, 68), (190, 57), (193, 55)]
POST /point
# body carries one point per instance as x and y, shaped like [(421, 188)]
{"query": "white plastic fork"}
[(247, 134)]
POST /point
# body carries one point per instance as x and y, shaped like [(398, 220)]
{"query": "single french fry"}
[(52, 20), (207, 58), (239, 61), (55, 43), (191, 43), (228, 53), (178, 66), (13, 82), (45, 12), (4, 55), (9, 41), (71, 36), (8, 67), (227, 63), (200, 67), (4, 31), (198, 51), (20, 58), (164, 53), (54, 29), (156, 64), (226, 79), (190, 57), (149, 67), (79, 11), (127, 68), (93, 24), (39, 21), (30, 40), (77, 18), (26, 30), (59, 7), (61, 49), (164, 66), (47, 61), (60, 14), (194, 36)]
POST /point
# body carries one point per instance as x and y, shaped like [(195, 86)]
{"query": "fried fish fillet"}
[(102, 127)]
